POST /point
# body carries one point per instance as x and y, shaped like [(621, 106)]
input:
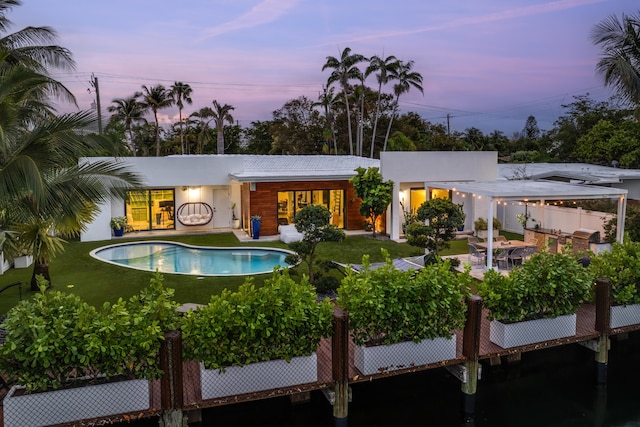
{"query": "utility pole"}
[(94, 84), (448, 125)]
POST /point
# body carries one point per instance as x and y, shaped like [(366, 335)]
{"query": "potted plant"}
[(255, 226), (65, 355), (537, 301), (269, 336), (481, 225), (400, 319), (118, 225), (621, 265), (235, 221)]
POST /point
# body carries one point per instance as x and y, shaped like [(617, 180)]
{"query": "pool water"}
[(177, 258)]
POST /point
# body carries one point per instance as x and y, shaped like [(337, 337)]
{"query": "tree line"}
[(357, 113)]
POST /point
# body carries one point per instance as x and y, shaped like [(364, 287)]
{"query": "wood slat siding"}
[(263, 201)]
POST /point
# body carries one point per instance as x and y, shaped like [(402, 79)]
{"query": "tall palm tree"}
[(344, 69), (205, 116), (406, 78), (385, 69), (129, 111), (327, 100), (221, 114), (620, 61), (181, 93), (156, 98)]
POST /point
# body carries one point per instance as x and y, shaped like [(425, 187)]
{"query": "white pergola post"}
[(394, 223), (622, 210), (490, 233)]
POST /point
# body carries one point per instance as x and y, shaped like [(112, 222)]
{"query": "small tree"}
[(313, 221), (374, 193), (439, 220)]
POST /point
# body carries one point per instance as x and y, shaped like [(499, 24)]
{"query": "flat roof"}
[(264, 168), (531, 190)]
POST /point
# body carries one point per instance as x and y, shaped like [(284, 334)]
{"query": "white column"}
[(490, 234), (622, 210), (394, 214)]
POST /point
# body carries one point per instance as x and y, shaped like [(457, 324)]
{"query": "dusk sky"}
[(488, 63)]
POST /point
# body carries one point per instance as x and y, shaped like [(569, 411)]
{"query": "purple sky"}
[(487, 64)]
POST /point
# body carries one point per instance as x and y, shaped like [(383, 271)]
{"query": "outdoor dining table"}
[(499, 247), (508, 245)]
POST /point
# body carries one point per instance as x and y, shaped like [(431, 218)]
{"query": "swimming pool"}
[(178, 258)]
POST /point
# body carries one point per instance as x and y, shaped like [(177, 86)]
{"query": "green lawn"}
[(96, 281)]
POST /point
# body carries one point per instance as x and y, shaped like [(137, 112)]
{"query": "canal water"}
[(552, 387)]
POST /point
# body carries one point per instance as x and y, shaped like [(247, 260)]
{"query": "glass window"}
[(417, 197), (291, 202), (150, 210), (439, 193)]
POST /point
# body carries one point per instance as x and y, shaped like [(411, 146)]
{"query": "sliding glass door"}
[(150, 209), (291, 202)]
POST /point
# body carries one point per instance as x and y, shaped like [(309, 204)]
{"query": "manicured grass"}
[(75, 271)]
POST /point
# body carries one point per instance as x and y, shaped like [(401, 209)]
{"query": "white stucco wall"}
[(407, 168), (178, 172)]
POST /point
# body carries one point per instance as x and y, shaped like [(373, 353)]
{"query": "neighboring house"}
[(576, 173), (199, 191)]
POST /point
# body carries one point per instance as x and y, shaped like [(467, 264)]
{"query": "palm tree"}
[(129, 111), (344, 69), (620, 61), (44, 191), (406, 78), (156, 98), (205, 116), (32, 47), (221, 114), (181, 93), (386, 68), (327, 100)]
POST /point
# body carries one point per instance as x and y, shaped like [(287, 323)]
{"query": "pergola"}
[(539, 190)]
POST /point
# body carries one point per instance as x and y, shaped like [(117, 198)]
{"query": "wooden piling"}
[(603, 326), (340, 366), (471, 351), (171, 396)]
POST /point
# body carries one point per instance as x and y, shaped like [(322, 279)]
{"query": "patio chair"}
[(517, 256), (476, 255), (499, 239), (501, 259), (528, 251)]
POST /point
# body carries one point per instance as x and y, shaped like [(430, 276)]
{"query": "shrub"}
[(387, 305), (546, 286), (280, 320), (55, 339), (621, 266), (482, 224)]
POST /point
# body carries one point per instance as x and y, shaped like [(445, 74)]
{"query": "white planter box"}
[(62, 406), (384, 358), (625, 315), (258, 376), (23, 261), (483, 234), (508, 335)]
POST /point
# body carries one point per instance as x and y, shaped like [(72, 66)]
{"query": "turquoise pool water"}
[(178, 258)]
